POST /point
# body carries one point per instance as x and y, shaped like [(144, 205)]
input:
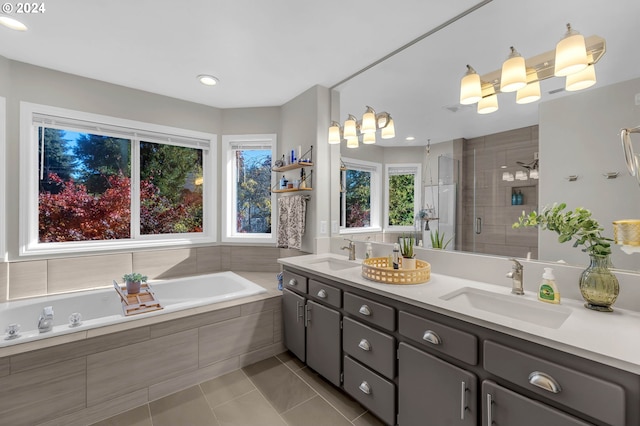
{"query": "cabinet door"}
[(293, 323), (324, 352), (434, 392), (505, 407)]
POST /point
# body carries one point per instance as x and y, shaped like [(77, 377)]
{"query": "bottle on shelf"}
[(283, 182), (514, 198), (303, 177), (519, 198)]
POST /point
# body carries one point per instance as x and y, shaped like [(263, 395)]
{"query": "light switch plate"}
[(334, 227), (323, 227)]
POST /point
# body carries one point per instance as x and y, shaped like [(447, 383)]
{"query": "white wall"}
[(579, 135)]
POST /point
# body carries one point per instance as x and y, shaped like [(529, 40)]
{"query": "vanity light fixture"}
[(366, 128), (508, 177), (208, 80), (534, 174), (514, 72), (489, 101), (521, 175), (13, 24), (565, 60)]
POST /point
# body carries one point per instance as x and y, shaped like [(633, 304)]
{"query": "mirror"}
[(577, 132)]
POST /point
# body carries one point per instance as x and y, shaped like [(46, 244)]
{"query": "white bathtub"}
[(102, 307)]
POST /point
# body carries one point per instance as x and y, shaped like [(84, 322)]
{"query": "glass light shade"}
[(582, 79), (489, 102), (389, 131), (470, 87), (334, 134), (12, 23), (520, 175), (571, 54), (514, 73), (530, 92), (507, 176), (368, 121), (534, 174), (352, 142), (369, 138), (350, 128)]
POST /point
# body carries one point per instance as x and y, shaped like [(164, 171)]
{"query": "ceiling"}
[(263, 52), (420, 86)]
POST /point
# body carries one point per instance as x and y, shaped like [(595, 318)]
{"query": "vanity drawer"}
[(430, 334), (294, 281), (329, 295), (371, 390), (371, 347), (590, 395), (368, 310)]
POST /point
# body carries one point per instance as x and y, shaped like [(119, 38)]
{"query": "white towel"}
[(291, 221)]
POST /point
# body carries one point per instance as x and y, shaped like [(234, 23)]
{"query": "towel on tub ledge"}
[(291, 221)]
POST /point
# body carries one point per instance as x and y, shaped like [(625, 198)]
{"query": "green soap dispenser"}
[(548, 291)]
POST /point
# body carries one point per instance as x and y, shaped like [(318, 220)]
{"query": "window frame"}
[(415, 169), (3, 179), (375, 194), (229, 233), (29, 163)]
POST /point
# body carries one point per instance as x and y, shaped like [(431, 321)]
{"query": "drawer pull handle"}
[(322, 294), (364, 345), (463, 399), (432, 337), (293, 282), (307, 315), (365, 310), (365, 388), (544, 381), (489, 409), (299, 311)]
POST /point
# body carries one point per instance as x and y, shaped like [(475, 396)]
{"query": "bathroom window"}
[(94, 182), (403, 196), (248, 214), (359, 196)]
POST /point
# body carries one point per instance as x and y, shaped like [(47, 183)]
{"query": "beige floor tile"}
[(225, 388), (315, 412), (249, 409), (290, 360), (342, 402), (137, 417), (188, 407), (282, 388), (367, 419)]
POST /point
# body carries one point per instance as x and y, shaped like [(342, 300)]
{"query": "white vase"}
[(408, 263)]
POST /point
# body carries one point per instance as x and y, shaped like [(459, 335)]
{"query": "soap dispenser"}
[(396, 256), (368, 254), (548, 291)]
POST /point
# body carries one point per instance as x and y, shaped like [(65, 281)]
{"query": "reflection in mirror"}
[(519, 157)]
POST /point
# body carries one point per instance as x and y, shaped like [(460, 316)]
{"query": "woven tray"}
[(378, 269)]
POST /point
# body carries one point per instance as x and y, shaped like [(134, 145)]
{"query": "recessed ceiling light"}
[(207, 80), (503, 167), (14, 24), (410, 138)]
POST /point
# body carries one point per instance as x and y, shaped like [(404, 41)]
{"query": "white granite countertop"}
[(609, 338)]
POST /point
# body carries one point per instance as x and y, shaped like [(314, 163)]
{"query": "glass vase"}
[(598, 285)]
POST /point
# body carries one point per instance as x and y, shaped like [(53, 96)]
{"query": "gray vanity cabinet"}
[(323, 341), (293, 319), (504, 407), (434, 392)]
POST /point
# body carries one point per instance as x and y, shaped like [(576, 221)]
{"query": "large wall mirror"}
[(570, 138)]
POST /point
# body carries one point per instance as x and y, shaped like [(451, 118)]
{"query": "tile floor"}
[(277, 391)]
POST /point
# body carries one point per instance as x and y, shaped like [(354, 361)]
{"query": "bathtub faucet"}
[(45, 322)]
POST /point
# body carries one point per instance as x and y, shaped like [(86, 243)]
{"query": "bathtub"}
[(100, 308)]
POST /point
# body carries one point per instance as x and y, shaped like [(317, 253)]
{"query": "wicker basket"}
[(627, 232), (378, 269)]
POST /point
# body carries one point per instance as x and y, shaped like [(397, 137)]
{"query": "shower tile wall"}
[(493, 195)]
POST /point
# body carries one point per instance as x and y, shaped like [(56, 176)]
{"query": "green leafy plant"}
[(437, 240), (407, 246), (573, 224), (134, 277)]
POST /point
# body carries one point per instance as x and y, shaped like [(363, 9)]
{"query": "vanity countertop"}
[(609, 338)]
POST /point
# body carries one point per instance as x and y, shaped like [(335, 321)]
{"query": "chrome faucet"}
[(45, 322), (516, 277), (352, 249)]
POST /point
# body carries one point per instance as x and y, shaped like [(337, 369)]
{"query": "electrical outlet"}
[(323, 227), (334, 227)]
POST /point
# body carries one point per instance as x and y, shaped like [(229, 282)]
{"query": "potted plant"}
[(598, 285), (437, 240), (408, 257), (133, 282)]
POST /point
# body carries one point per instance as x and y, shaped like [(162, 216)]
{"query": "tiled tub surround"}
[(122, 366)]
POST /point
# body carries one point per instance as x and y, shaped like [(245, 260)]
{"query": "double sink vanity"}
[(454, 351)]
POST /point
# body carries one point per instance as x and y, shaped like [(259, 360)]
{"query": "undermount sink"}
[(335, 264), (508, 305)]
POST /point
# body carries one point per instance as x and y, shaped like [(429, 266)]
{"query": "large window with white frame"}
[(92, 182), (403, 196), (360, 196), (249, 215), (3, 179)]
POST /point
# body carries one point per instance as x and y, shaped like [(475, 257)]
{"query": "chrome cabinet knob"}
[(364, 345), (431, 337), (365, 310), (322, 294), (365, 388), (293, 282), (544, 381)]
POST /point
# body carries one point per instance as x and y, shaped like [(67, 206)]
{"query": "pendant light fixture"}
[(514, 72), (388, 131), (334, 133), (571, 54), (489, 101), (352, 142), (582, 79), (369, 138), (470, 87), (350, 128), (368, 121), (530, 92), (353, 129)]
